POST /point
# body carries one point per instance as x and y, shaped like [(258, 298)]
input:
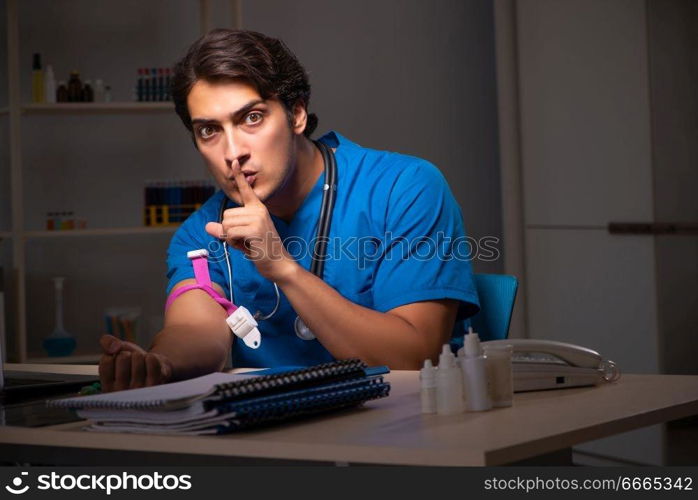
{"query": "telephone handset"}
[(548, 364)]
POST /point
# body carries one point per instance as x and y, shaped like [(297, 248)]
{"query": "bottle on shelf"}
[(146, 85), (74, 87), (153, 84), (49, 85), (87, 92), (99, 90), (67, 221), (140, 86), (50, 221), (62, 92), (168, 84), (60, 342), (37, 79), (161, 85)]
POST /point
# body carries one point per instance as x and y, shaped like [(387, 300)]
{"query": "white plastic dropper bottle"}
[(475, 371), (427, 378), (449, 384)]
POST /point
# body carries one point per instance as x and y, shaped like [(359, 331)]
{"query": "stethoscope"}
[(317, 266)]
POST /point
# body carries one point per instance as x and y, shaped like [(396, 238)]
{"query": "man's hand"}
[(249, 228), (125, 365)]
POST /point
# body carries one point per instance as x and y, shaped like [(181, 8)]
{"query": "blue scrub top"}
[(396, 238)]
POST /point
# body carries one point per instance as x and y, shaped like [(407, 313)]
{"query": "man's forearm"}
[(193, 351), (350, 330)]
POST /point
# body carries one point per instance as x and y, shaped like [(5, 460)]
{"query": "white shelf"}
[(106, 231), (97, 107), (78, 359)]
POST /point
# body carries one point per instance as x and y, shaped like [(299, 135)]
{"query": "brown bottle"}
[(62, 92), (88, 94), (74, 87)]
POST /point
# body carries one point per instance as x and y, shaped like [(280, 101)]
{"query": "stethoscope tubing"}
[(317, 265)]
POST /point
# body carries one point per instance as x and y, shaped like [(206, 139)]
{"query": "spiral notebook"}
[(220, 403)]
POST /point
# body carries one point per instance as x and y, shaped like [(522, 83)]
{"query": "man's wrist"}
[(288, 272)]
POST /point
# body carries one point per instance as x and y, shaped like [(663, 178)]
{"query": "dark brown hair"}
[(261, 61)]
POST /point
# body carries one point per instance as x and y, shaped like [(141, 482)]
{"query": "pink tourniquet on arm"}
[(203, 282)]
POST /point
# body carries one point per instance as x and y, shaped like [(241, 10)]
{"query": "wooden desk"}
[(388, 431)]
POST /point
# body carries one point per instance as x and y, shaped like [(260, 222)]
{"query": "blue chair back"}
[(497, 293)]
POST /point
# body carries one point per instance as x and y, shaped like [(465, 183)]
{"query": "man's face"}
[(231, 121)]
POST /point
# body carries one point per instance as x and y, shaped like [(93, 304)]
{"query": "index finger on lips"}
[(247, 194)]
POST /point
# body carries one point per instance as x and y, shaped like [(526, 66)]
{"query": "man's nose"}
[(235, 148)]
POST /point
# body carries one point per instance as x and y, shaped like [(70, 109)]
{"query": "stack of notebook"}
[(219, 403)]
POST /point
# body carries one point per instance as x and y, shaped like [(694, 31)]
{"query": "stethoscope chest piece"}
[(302, 330)]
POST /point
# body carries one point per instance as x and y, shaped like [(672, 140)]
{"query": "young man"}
[(385, 296)]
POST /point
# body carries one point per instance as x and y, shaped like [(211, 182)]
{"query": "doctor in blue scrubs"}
[(396, 281)]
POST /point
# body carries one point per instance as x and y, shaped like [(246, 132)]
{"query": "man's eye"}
[(206, 131), (253, 118)]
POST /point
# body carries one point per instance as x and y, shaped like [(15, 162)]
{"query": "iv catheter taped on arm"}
[(239, 319)]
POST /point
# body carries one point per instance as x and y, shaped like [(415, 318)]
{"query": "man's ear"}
[(300, 117)]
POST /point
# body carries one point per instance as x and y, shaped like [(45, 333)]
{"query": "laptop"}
[(17, 385)]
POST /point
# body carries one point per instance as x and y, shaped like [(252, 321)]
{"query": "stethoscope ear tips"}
[(302, 331)]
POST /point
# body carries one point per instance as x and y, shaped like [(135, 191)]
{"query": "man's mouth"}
[(250, 178)]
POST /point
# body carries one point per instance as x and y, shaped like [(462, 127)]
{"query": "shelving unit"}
[(105, 231), (77, 360), (98, 107), (28, 242)]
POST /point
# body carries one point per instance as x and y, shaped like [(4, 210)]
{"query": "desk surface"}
[(393, 431)]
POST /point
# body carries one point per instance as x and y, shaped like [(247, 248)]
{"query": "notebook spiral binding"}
[(228, 406), (112, 405), (294, 379), (255, 413)]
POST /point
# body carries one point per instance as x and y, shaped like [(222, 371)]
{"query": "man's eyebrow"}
[(236, 115)]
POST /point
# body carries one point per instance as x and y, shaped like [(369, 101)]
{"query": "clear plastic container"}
[(500, 374)]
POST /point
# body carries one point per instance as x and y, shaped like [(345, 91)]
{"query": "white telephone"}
[(547, 364)]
